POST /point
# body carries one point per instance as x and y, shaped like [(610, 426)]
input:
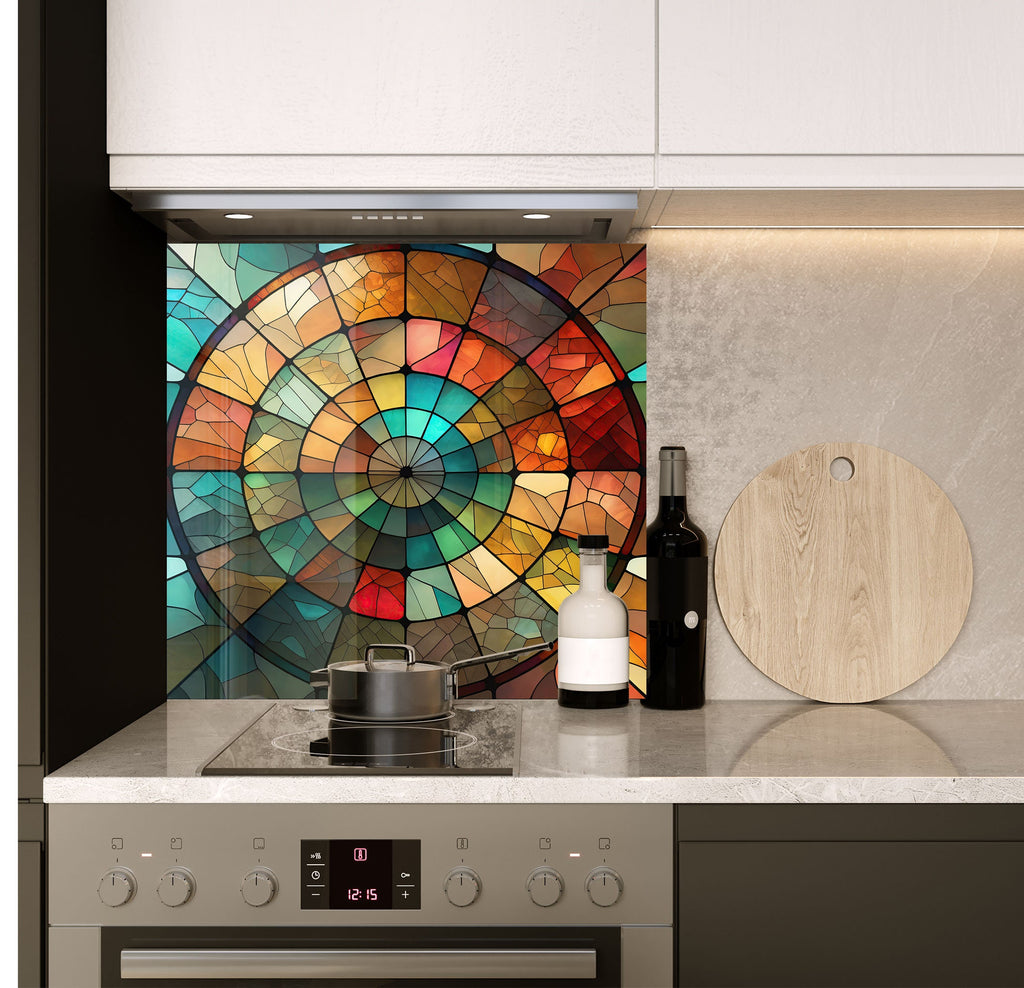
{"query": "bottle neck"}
[(672, 486), (672, 479), (593, 569)]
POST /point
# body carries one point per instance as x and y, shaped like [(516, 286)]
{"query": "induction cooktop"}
[(298, 737)]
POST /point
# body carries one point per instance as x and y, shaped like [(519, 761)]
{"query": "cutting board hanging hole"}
[(841, 468)]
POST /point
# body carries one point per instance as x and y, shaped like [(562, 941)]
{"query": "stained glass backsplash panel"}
[(397, 443)]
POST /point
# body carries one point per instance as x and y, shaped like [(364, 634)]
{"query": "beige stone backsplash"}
[(761, 342)]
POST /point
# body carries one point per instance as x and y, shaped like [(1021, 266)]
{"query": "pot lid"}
[(387, 665)]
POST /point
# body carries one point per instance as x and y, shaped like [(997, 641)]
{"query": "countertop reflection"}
[(759, 739)]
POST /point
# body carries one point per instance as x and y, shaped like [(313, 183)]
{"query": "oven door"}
[(399, 956)]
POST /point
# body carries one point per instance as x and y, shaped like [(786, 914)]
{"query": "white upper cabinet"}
[(868, 77), (388, 77), (565, 94)]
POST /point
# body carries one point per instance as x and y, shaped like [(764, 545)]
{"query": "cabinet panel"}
[(849, 913), (804, 77), (390, 77), (30, 913), (381, 171)]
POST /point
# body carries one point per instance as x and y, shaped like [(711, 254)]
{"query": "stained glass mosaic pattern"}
[(397, 443)]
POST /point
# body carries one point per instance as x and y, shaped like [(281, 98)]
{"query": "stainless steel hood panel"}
[(388, 216), (479, 216)]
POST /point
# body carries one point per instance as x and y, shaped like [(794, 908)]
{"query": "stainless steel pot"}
[(393, 690)]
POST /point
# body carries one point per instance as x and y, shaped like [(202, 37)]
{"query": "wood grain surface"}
[(843, 590)]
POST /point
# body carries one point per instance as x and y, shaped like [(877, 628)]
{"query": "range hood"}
[(384, 216)]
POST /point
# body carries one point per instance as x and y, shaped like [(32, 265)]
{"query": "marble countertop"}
[(969, 751)]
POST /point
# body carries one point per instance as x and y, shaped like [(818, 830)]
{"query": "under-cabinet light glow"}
[(238, 216), (833, 226)]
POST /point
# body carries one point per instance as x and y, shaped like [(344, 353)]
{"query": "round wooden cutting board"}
[(843, 590)]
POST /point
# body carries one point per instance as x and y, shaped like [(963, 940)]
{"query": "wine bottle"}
[(677, 594), (593, 636)]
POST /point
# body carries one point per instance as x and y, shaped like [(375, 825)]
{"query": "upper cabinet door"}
[(393, 77), (826, 77)]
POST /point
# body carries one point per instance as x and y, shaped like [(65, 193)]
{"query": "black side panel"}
[(30, 913), (920, 897), (30, 666), (851, 914), (103, 332)]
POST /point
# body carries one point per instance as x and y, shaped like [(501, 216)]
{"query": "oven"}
[(360, 894)]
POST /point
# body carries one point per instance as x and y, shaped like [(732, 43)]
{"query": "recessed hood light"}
[(238, 216), (536, 216)]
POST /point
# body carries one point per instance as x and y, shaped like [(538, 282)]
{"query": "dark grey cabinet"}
[(827, 896), (30, 913)]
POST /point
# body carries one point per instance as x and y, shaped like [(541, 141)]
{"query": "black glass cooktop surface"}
[(298, 737)]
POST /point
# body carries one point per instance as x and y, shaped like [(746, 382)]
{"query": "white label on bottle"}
[(593, 663)]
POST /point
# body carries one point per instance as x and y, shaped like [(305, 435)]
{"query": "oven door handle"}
[(446, 965)]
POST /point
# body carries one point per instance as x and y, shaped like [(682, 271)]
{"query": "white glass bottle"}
[(593, 636)]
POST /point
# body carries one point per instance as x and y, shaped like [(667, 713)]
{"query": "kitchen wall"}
[(762, 342)]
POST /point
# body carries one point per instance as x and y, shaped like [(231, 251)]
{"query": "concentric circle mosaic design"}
[(374, 443)]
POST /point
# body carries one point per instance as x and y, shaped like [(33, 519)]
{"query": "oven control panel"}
[(360, 873), (240, 864)]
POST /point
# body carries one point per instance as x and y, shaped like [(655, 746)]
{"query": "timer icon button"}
[(259, 886), (462, 886)]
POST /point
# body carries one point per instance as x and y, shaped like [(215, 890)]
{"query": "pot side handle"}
[(476, 660), (318, 678)]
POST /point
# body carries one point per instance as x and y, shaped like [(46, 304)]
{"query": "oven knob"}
[(545, 886), (462, 886), (604, 887), (176, 887), (259, 886), (117, 887)]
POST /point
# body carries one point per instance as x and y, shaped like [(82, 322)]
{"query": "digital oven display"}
[(360, 874)]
